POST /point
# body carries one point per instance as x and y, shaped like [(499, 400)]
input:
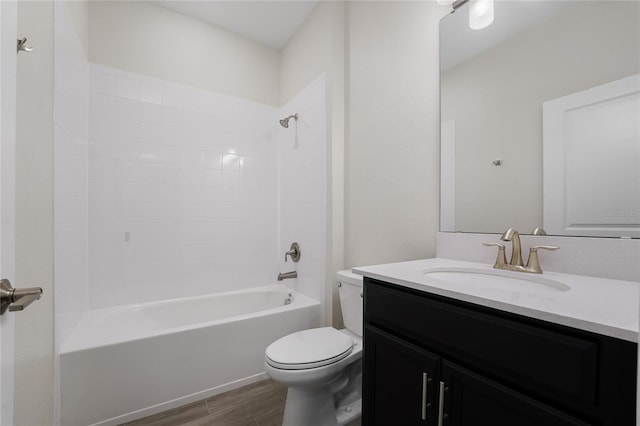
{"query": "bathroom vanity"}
[(437, 353)]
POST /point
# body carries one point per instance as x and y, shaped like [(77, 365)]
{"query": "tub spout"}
[(287, 275)]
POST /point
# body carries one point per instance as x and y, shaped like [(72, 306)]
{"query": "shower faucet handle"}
[(294, 252)]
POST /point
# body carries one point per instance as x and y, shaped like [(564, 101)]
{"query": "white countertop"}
[(603, 306)]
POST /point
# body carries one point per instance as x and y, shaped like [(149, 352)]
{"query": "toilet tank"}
[(350, 289)]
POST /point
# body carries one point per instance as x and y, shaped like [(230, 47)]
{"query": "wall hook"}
[(21, 45), (497, 162)]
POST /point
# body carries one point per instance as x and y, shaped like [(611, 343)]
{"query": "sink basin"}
[(494, 279)]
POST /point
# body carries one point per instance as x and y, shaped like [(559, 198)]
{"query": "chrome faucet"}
[(516, 264), (287, 275)]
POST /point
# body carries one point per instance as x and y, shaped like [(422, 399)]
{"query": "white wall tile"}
[(102, 168), (105, 190), (101, 104), (100, 147), (171, 174), (172, 95), (102, 83), (211, 213), (192, 176), (101, 126), (127, 88), (230, 179), (125, 150), (302, 192), (70, 209), (213, 177), (193, 194), (169, 167), (231, 162), (71, 150), (150, 132), (127, 108), (151, 91), (173, 116), (150, 113), (212, 160), (126, 128), (192, 158), (175, 136), (155, 153), (103, 211), (182, 179)]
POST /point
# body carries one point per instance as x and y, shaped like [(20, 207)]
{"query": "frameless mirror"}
[(540, 119)]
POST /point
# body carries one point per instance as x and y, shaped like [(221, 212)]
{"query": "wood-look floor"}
[(258, 404)]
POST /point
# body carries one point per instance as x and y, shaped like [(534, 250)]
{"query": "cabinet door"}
[(473, 400), (399, 384)]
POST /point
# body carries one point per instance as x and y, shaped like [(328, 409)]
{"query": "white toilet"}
[(322, 367)]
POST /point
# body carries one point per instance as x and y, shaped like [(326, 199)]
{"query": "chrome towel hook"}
[(22, 45)]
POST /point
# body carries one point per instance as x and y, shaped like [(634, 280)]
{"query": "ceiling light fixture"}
[(480, 14)]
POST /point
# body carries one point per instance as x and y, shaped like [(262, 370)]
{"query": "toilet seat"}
[(308, 349)]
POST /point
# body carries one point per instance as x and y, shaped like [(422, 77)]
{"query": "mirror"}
[(516, 152)]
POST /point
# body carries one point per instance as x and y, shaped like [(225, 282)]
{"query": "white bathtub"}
[(131, 361)]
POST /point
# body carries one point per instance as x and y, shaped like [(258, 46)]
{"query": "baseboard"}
[(179, 402)]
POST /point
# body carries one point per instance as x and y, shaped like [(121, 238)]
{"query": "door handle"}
[(425, 397), (441, 405), (16, 299)]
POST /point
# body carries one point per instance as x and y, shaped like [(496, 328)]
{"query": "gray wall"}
[(145, 38), (392, 170)]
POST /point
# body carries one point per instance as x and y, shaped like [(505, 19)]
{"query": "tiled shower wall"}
[(164, 190), (71, 96), (303, 188), (183, 190)]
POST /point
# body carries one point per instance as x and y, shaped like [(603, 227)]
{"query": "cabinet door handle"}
[(425, 381), (441, 404)]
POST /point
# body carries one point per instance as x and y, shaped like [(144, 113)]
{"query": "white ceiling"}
[(268, 22)]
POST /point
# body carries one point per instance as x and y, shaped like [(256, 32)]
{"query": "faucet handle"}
[(533, 264), (501, 260), (294, 252), (550, 248)]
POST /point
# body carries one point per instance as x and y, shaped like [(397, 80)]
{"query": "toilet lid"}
[(309, 349)]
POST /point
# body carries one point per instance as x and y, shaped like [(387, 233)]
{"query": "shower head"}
[(285, 121)]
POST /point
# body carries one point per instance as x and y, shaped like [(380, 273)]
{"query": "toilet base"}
[(309, 407), (317, 407), (348, 412)]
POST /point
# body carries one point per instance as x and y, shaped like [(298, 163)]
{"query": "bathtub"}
[(128, 362)]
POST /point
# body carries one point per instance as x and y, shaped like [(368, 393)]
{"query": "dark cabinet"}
[(430, 360), (414, 378), (471, 399)]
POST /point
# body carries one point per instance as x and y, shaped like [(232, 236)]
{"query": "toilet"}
[(322, 367)]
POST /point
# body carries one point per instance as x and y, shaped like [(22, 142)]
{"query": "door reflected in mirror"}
[(494, 85)]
